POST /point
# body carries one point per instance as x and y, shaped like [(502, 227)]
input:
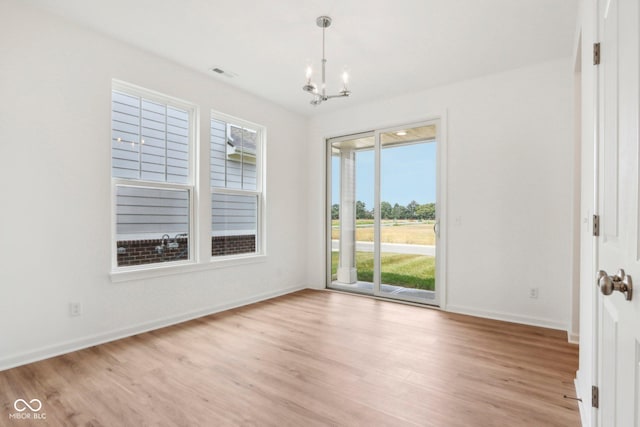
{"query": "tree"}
[(399, 212), (386, 211), (411, 209), (426, 211), (335, 211), (361, 211)]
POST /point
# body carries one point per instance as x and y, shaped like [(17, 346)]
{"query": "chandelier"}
[(321, 95)]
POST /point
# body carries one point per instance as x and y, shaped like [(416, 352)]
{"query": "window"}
[(153, 158), (152, 174), (236, 186)]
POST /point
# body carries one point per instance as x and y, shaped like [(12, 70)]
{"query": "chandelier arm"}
[(340, 95)]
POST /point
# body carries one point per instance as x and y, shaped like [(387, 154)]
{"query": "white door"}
[(618, 195)]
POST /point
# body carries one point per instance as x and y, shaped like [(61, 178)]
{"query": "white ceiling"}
[(389, 47)]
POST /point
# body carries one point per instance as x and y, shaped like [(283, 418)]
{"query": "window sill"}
[(140, 273)]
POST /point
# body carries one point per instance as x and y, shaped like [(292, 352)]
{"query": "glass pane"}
[(407, 208), (249, 153), (218, 153), (177, 145), (233, 158), (153, 141), (352, 224), (150, 140), (335, 213), (125, 136), (234, 224), (152, 225), (233, 154)]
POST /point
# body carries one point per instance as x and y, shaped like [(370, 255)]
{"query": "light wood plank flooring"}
[(312, 358)]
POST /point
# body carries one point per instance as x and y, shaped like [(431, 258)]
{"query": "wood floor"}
[(306, 359)]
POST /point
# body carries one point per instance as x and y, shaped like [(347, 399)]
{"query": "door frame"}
[(441, 121), (587, 33)]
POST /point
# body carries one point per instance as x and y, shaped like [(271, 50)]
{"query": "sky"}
[(407, 172)]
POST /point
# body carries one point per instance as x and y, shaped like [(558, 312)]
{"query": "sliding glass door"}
[(408, 172), (383, 210)]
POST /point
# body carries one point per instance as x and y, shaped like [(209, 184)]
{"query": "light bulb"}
[(345, 81), (345, 78), (309, 87)]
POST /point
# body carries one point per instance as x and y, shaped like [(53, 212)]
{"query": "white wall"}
[(55, 82), (510, 181)]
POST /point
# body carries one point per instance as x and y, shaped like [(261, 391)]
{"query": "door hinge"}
[(596, 225), (596, 53), (595, 396)]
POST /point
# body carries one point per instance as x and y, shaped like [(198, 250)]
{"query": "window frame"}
[(191, 186), (259, 192)]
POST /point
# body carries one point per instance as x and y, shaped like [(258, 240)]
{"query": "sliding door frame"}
[(440, 121)]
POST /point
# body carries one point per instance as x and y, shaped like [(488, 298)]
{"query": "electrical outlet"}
[(75, 309), (533, 292)]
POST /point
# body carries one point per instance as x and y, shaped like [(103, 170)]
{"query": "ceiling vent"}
[(222, 72)]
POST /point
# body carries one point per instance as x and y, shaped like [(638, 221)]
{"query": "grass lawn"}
[(413, 233), (410, 271)]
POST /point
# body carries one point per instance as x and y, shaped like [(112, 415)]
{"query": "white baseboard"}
[(507, 317), (573, 337), (89, 341)]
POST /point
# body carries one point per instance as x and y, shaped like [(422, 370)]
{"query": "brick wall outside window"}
[(233, 245), (138, 252)]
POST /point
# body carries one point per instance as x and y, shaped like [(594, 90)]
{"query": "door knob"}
[(618, 282)]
